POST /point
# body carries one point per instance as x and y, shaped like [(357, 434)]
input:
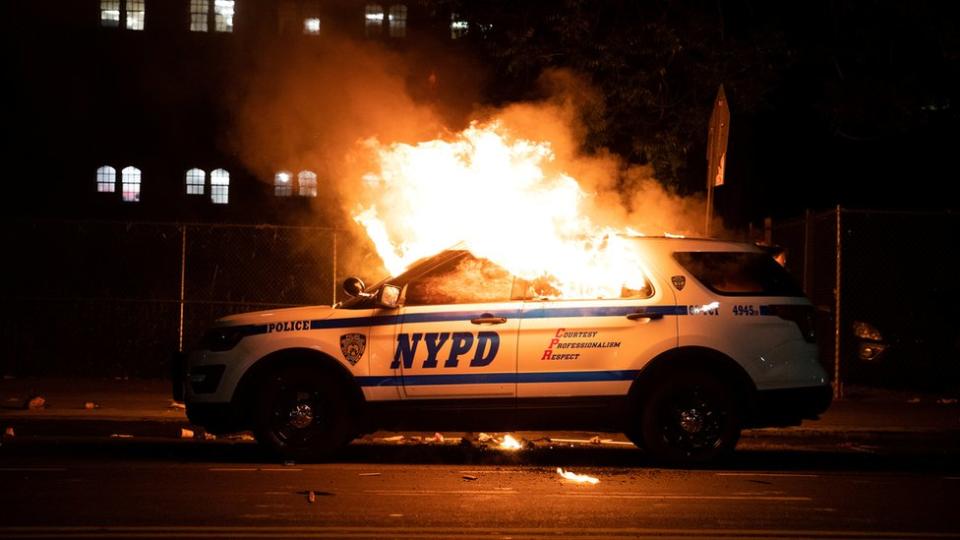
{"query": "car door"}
[(458, 332), (593, 347)]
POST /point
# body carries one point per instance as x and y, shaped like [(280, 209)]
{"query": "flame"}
[(509, 443), (501, 198), (579, 478)]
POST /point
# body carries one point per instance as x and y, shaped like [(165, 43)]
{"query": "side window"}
[(739, 273), (548, 288), (462, 280)]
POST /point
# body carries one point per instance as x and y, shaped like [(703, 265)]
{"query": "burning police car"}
[(703, 339)]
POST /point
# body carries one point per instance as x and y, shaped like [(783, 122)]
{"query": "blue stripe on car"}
[(498, 378)]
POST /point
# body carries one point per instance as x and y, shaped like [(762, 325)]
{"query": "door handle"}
[(644, 315), (488, 318)]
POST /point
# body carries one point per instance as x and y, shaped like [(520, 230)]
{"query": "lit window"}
[(106, 179), (308, 183), (223, 15), (196, 179), (398, 20), (283, 184), (110, 13), (131, 184), (311, 26), (135, 14), (374, 19), (458, 26), (199, 15), (220, 186)]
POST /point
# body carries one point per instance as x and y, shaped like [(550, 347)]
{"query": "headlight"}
[(864, 330), (223, 339)]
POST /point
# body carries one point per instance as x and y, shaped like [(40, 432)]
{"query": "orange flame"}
[(497, 196)]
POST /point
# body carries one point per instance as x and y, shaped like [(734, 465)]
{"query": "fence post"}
[(333, 273), (807, 244), (837, 291), (183, 282)]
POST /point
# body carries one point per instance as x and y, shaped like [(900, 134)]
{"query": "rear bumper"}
[(788, 407)]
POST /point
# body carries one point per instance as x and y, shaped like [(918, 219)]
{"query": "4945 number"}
[(741, 310)]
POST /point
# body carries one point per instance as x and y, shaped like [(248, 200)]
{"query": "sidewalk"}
[(144, 408)]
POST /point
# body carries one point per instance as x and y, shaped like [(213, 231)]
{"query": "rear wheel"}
[(301, 414), (689, 417)]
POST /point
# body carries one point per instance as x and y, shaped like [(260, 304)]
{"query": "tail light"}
[(803, 316)]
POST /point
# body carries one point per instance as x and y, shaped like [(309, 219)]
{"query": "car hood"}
[(308, 313)]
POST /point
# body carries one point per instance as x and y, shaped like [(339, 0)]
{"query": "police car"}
[(718, 338)]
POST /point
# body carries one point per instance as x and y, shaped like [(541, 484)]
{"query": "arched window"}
[(373, 18), (220, 186), (106, 179), (283, 184), (308, 183), (196, 180), (398, 21), (131, 184)]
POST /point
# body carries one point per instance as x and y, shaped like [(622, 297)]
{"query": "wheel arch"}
[(695, 358), (243, 397)]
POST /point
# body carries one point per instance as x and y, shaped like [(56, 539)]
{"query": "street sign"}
[(717, 149)]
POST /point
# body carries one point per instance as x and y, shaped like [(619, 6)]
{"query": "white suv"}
[(719, 338)]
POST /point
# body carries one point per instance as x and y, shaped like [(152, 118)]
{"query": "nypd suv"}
[(718, 338)]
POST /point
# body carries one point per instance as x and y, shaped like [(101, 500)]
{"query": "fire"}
[(500, 197), (509, 443), (579, 478)]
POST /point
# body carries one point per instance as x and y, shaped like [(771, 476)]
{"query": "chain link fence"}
[(116, 299), (894, 319)]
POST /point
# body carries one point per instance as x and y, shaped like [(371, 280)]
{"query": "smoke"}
[(334, 109)]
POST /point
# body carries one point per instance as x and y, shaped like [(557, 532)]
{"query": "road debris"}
[(579, 478), (913, 400), (470, 477), (90, 405), (35, 403), (369, 474), (437, 438), (484, 437), (395, 438), (209, 436), (311, 497), (946, 401), (186, 433), (245, 437), (121, 436), (176, 405), (9, 432)]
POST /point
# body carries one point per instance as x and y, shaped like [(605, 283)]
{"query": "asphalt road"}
[(135, 488)]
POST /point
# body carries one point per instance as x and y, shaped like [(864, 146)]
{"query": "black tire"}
[(300, 414), (689, 418)]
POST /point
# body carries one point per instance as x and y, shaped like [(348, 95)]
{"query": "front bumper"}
[(789, 406)]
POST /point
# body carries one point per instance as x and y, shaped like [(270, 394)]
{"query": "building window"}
[(311, 26), (199, 15), (110, 13), (398, 21), (308, 183), (136, 13), (283, 184), (220, 186), (374, 19), (106, 179), (223, 15), (196, 180), (458, 26), (131, 184)]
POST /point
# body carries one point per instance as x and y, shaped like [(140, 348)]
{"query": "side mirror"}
[(353, 286), (389, 296)]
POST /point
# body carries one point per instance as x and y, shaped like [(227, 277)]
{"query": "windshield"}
[(416, 270)]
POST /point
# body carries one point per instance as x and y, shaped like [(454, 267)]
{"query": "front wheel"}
[(300, 414), (689, 418)]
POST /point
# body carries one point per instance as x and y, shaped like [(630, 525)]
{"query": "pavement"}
[(134, 408)]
